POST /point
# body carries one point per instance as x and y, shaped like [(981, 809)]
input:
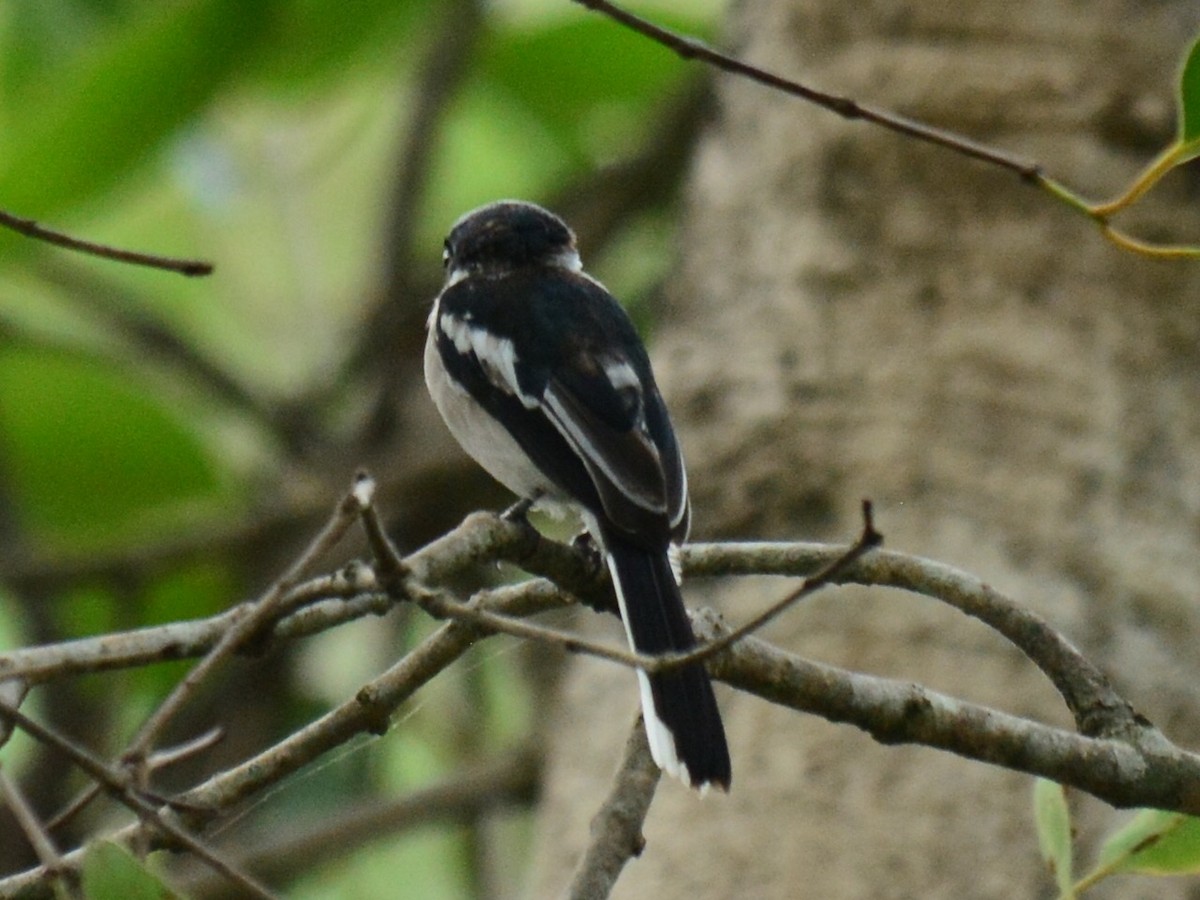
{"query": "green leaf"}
[(1053, 819), (1156, 843), (111, 872), (91, 457), (109, 108), (1189, 103)]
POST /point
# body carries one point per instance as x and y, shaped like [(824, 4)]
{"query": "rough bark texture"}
[(860, 315)]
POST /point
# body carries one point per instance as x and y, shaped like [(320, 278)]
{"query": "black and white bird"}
[(541, 377)]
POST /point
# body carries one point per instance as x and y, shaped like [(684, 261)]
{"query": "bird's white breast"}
[(486, 440)]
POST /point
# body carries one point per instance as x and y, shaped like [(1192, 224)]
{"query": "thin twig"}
[(154, 762), (12, 692), (119, 785), (39, 838), (369, 711), (480, 538), (442, 605), (616, 830), (387, 558), (868, 540), (846, 107), (1145, 248), (1029, 171), (30, 228), (254, 618), (171, 756)]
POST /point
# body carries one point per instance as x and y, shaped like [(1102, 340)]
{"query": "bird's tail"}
[(683, 723)]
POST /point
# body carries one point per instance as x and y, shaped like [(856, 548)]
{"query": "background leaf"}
[(1053, 818), (108, 108), (92, 458), (1155, 842), (111, 872), (1189, 102)]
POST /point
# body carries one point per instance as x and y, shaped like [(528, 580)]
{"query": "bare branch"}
[(30, 228), (1121, 773), (1142, 768), (1096, 706), (441, 605), (241, 628), (846, 107), (368, 712), (387, 557), (482, 537), (12, 692), (371, 708), (617, 826), (39, 838), (868, 540), (119, 785), (253, 618), (160, 760), (1027, 170)]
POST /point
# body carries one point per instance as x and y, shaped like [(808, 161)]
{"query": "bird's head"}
[(506, 236)]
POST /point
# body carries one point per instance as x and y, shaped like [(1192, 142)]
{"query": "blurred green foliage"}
[(89, 455), (264, 137), (111, 872), (1189, 101)]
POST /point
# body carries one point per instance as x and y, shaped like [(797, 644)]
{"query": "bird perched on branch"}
[(541, 377)]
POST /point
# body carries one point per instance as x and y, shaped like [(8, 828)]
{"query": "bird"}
[(541, 377)]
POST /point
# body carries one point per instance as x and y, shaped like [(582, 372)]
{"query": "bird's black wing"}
[(578, 397)]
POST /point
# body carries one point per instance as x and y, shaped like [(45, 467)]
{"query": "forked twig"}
[(120, 785), (868, 540)]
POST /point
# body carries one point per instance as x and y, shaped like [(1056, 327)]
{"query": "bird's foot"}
[(518, 513), (586, 545)]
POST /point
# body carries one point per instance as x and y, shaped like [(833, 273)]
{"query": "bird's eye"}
[(446, 253)]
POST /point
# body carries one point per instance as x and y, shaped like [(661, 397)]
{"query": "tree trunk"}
[(860, 315)]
